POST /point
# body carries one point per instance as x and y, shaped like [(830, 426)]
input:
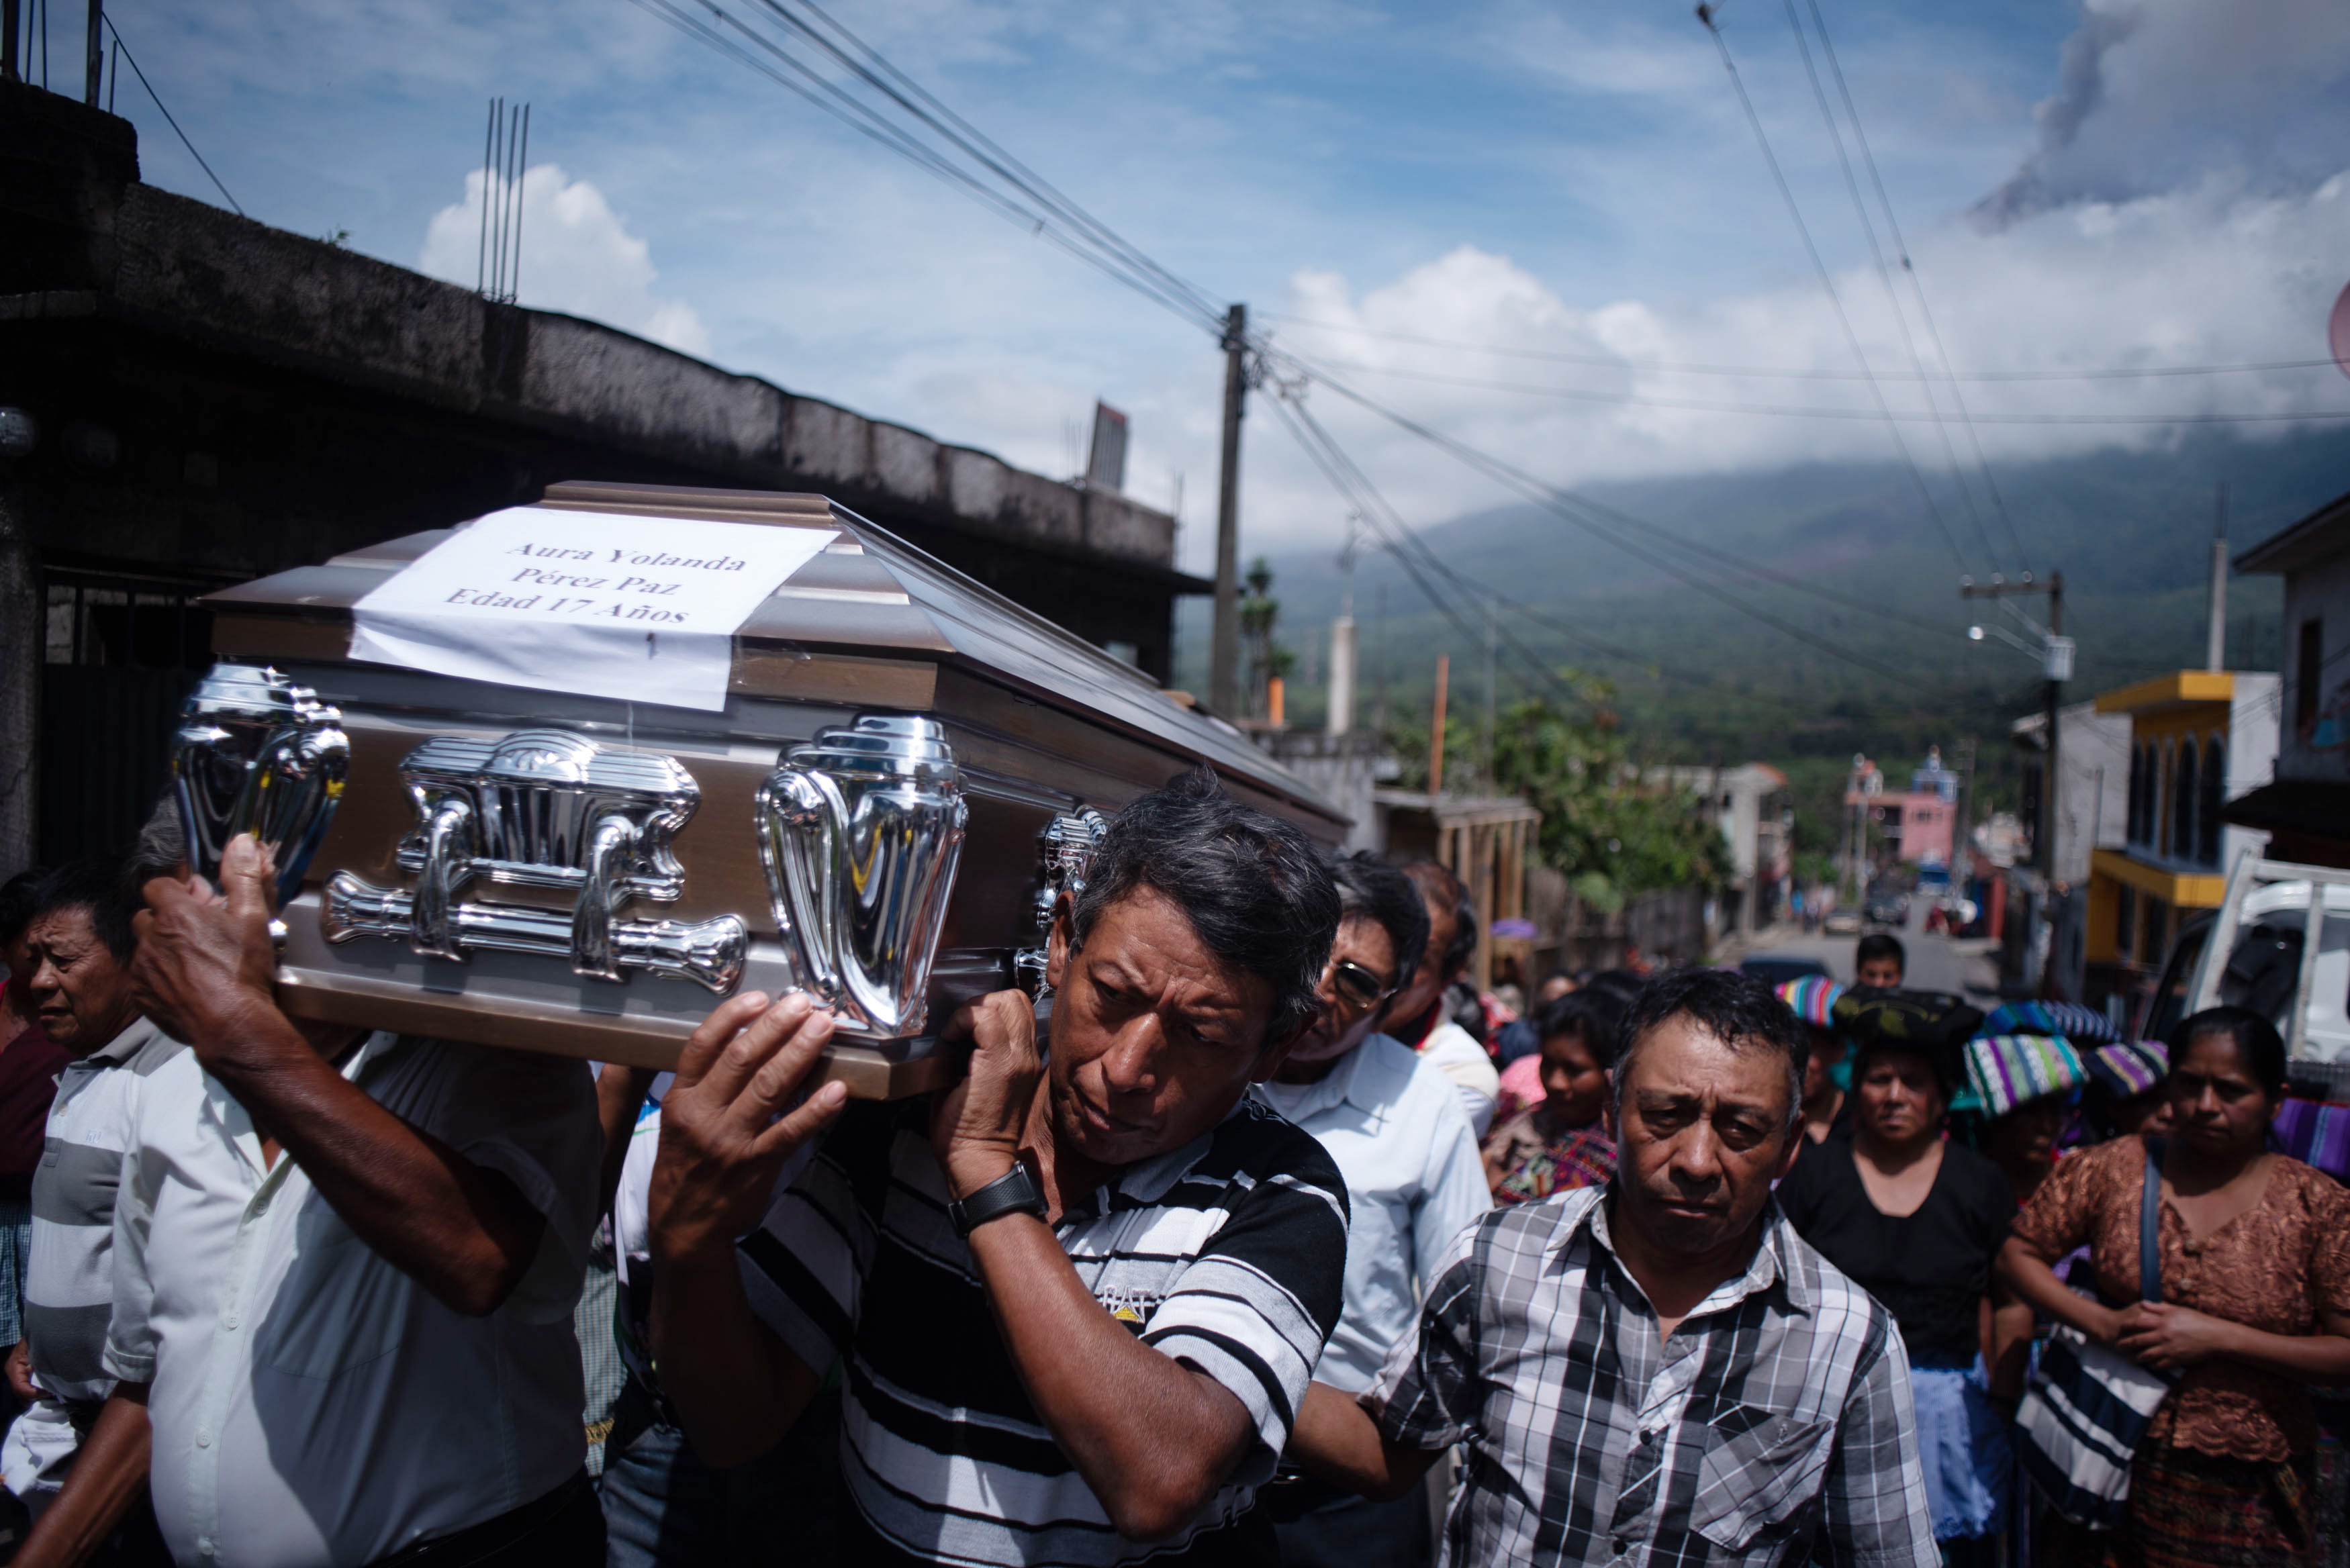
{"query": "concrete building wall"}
[(2319, 592), (2255, 728), (215, 400)]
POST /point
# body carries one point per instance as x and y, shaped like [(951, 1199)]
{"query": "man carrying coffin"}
[(1077, 1302), (345, 1266)]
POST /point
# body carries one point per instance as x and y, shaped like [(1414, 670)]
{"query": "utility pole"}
[(2215, 647), (93, 59), (1341, 718), (1962, 853), (1493, 634), (2056, 669), (1224, 653), (1436, 728), (11, 23)]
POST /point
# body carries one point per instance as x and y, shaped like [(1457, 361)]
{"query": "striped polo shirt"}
[(1228, 1254), (69, 1273)]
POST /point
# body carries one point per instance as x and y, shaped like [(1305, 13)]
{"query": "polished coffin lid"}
[(1041, 724)]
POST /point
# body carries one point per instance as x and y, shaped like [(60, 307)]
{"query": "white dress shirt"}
[(1454, 1052), (1393, 1125), (311, 1404)]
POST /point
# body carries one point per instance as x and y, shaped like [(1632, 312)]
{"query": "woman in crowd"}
[(1393, 1124), (1522, 1078), (2254, 1262), (2125, 1093), (1559, 1143), (2024, 1085), (1919, 1221), (2023, 1143)]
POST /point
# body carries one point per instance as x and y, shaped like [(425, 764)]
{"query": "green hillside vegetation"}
[(1690, 677)]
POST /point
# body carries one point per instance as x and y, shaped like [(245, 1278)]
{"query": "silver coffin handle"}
[(448, 867), (256, 754), (799, 814), (710, 951)]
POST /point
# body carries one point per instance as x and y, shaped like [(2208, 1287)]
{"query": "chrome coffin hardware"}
[(544, 808), (859, 832), (256, 754), (1065, 853)]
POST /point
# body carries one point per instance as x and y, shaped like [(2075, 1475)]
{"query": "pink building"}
[(1920, 823)]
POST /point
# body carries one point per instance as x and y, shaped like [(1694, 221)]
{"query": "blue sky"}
[(2131, 182)]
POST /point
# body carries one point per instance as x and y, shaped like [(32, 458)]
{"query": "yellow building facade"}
[(2197, 739)]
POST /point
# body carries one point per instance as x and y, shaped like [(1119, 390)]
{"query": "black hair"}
[(1376, 891), (1595, 1015), (93, 886), (1737, 1009), (159, 850), (1618, 986), (2257, 1042), (1439, 886), (1254, 887), (1881, 945), (20, 900), (1950, 1073)]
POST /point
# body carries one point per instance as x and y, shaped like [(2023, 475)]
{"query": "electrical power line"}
[(1544, 496), (1885, 278), (1916, 283), (1827, 284), (132, 60), (907, 120), (1805, 411), (1679, 368), (1418, 559)]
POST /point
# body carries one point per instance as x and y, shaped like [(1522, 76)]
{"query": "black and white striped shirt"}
[(1228, 1254)]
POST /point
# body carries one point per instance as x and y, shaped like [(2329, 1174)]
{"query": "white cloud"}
[(577, 256), (2094, 284)]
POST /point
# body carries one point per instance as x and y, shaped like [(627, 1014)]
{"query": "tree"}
[(1610, 831), (1258, 611)]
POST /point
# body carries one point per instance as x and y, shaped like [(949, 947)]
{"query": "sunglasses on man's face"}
[(1358, 987)]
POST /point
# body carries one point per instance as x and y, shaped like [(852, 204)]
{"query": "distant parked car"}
[(1887, 910), (1778, 968), (1841, 923)]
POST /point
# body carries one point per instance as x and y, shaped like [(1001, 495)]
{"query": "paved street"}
[(1935, 962)]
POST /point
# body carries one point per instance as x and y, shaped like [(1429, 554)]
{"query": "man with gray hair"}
[(1658, 1371), (79, 943)]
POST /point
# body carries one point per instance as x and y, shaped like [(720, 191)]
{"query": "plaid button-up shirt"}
[(1775, 1423)]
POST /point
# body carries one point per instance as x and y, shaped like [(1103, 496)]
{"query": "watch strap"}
[(1015, 1191)]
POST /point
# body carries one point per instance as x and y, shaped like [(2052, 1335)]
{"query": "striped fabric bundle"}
[(2009, 1070), (2127, 1067), (2314, 1133), (2069, 1019), (1813, 996)]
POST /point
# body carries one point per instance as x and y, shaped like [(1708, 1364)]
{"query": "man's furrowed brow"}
[(1695, 1100)]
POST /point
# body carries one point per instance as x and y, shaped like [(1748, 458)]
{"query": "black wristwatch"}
[(1013, 1192)]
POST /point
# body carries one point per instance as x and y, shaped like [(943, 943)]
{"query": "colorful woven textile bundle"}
[(2082, 1025), (2127, 1067), (2314, 1133), (2009, 1070), (1813, 996), (1584, 1157)]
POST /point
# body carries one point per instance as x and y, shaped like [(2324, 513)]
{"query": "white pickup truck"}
[(2279, 944)]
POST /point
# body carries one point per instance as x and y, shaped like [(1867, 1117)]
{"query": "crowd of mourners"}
[(1260, 1237)]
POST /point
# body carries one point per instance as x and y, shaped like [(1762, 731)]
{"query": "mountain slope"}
[(1698, 676)]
